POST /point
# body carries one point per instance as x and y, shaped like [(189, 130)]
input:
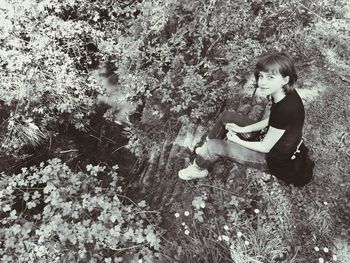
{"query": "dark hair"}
[(280, 62)]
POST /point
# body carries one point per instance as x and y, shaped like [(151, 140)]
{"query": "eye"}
[(270, 77)]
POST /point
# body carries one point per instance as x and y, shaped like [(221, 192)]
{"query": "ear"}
[(286, 80)]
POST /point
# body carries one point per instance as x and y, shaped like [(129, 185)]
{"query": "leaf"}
[(142, 204), (129, 234), (198, 215), (116, 216), (198, 202), (153, 240)]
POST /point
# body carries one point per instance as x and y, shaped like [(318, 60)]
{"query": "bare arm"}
[(249, 128), (271, 138)]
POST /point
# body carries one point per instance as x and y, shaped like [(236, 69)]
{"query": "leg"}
[(214, 149), (219, 131)]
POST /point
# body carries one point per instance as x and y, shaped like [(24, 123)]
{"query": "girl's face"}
[(271, 83)]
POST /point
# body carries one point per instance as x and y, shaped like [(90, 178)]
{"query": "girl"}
[(281, 150)]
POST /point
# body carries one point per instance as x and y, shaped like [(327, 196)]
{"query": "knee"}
[(213, 147)]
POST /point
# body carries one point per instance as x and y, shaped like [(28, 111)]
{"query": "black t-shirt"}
[(288, 114)]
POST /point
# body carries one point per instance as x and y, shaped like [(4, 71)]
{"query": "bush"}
[(45, 62), (189, 56), (185, 56), (50, 213)]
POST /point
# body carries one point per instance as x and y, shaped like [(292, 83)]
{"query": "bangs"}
[(272, 67)]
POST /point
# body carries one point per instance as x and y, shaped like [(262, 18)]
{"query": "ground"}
[(318, 213), (237, 213)]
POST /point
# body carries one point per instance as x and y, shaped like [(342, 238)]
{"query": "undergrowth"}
[(178, 60)]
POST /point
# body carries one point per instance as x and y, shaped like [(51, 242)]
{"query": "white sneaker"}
[(199, 150), (192, 172)]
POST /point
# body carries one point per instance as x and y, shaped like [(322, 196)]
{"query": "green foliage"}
[(176, 60), (52, 214), (188, 56), (45, 58), (184, 55), (257, 219)]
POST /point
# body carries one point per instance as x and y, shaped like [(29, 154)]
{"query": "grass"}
[(306, 224)]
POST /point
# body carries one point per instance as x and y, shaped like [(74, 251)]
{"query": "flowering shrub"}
[(52, 214)]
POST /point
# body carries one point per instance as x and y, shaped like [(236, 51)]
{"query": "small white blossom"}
[(239, 234), (183, 223), (335, 258), (316, 249), (202, 205), (325, 203), (246, 243), (256, 211), (321, 260), (187, 232), (219, 238), (177, 215), (187, 213), (325, 249), (226, 227), (225, 238)]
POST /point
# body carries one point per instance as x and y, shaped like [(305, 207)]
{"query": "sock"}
[(197, 166)]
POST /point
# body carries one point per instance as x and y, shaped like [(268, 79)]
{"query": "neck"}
[(278, 95)]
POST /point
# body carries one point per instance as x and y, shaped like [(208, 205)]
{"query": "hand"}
[(231, 136), (232, 127)]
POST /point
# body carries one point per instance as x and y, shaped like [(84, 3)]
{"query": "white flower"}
[(177, 215), (325, 203), (335, 258), (246, 243), (321, 260), (202, 205), (239, 234), (226, 227), (183, 223), (256, 211), (187, 232), (187, 213), (325, 249), (225, 238), (316, 249), (219, 238)]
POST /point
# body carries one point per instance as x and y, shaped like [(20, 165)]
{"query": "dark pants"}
[(216, 147)]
